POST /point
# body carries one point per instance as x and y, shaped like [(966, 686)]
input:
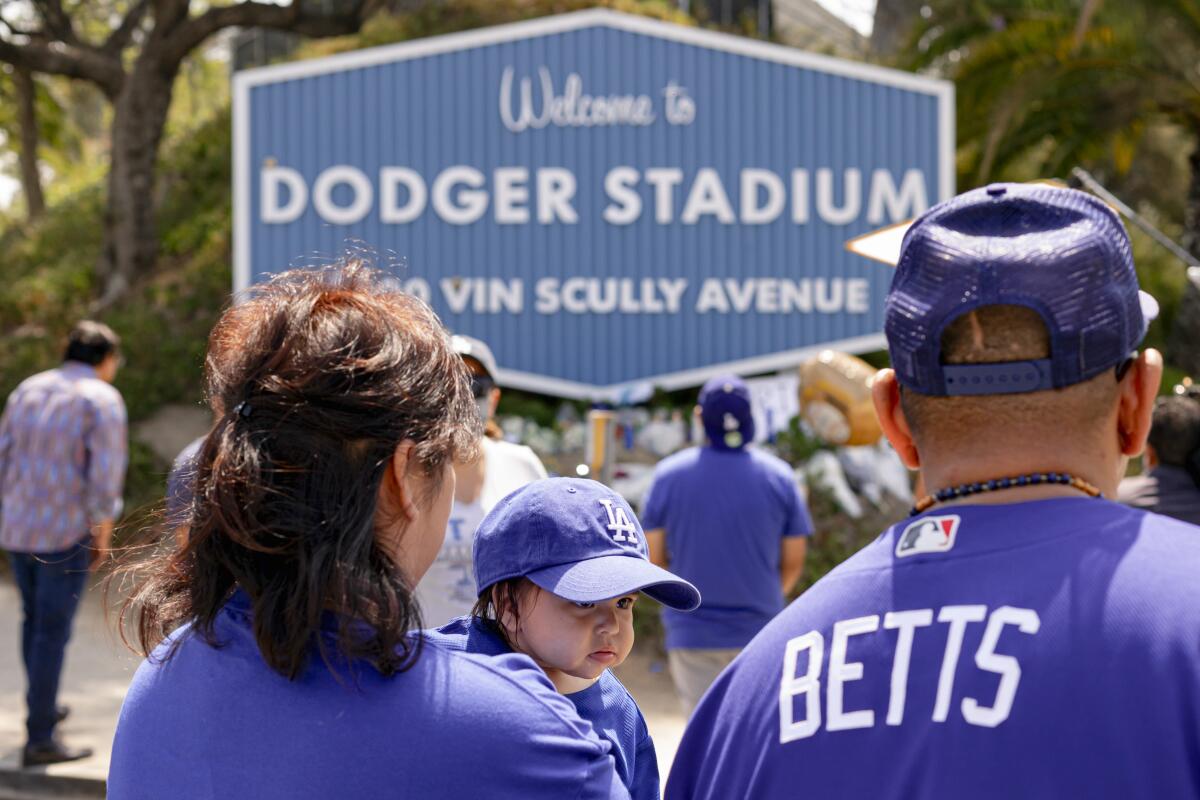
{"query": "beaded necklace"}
[(1032, 479)]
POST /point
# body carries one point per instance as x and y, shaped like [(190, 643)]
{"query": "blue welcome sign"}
[(610, 202)]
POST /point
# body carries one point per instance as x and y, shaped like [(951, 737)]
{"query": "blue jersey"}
[(1045, 649), (606, 704), (726, 513), (217, 722)]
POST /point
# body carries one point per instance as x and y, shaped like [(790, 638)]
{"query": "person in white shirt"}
[(448, 588)]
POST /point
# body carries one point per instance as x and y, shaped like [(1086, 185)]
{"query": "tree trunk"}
[(31, 178), (1185, 330), (893, 26), (1191, 210), (131, 232)]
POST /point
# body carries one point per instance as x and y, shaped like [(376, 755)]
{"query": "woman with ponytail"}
[(279, 662)]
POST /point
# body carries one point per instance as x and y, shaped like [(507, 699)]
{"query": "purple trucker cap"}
[(577, 539), (1058, 251), (726, 413)]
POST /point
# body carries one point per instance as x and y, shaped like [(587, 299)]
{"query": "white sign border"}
[(245, 80)]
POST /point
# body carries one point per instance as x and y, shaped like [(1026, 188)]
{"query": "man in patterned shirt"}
[(62, 468)]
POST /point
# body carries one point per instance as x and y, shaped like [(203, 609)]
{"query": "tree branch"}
[(15, 31), (250, 14), (57, 20), (119, 39), (72, 62)]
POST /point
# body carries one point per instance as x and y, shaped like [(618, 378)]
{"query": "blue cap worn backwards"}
[(725, 411), (574, 538), (1059, 252)]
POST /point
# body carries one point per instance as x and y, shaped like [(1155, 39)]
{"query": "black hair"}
[(1175, 429), (502, 597), (90, 342)]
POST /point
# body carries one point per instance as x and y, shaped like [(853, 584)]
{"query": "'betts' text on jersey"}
[(1040, 649)]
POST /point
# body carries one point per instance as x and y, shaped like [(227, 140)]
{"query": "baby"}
[(559, 564)]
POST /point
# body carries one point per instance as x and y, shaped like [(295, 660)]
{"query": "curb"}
[(22, 784)]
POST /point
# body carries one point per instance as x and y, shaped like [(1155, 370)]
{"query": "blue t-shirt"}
[(181, 483), (219, 723), (1044, 649), (606, 704), (726, 513)]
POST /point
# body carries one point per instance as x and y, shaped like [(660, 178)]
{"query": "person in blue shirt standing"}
[(280, 663), (730, 519), (1019, 635), (63, 452), (559, 564)]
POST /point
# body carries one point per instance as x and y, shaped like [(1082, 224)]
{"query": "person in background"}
[(1171, 483), (448, 588), (729, 519), (280, 663), (63, 453)]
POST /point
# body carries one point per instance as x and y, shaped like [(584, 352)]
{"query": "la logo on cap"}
[(928, 535), (619, 524)]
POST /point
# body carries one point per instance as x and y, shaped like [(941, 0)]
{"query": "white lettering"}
[(707, 196), (573, 108), (795, 296), (457, 293), (618, 185), (712, 297), (741, 294), (829, 295), (360, 187), (390, 180), (800, 196), (664, 182), (672, 292), (851, 196), (573, 290), (270, 180), (754, 180), (905, 203), (906, 622), (555, 190), (546, 292), (418, 288), (958, 617), (471, 203), (808, 685), (511, 194), (1009, 669), (858, 294), (842, 672)]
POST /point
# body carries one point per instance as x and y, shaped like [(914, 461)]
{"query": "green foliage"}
[(163, 322), (436, 18), (795, 446)]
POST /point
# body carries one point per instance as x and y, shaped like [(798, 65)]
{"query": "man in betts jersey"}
[(729, 519), (1020, 635)]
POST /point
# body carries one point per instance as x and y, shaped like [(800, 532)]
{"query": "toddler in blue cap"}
[(558, 566)]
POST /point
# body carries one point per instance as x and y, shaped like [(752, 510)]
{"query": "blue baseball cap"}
[(725, 412), (577, 539), (1057, 251)]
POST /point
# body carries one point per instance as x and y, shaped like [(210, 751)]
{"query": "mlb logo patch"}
[(928, 535)]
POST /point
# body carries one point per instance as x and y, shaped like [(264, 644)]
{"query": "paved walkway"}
[(99, 669)]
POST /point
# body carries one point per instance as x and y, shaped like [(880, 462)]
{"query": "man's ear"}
[(885, 394), (1138, 391), (398, 473)]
